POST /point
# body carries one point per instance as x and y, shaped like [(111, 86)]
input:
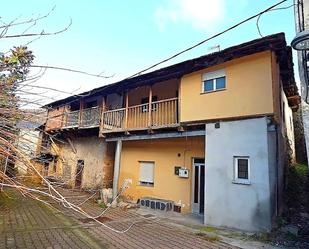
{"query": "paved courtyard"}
[(26, 223)]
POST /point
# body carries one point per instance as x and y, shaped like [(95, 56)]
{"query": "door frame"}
[(195, 208)]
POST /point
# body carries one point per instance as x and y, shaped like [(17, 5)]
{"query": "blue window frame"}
[(214, 84), (220, 83), (208, 85)]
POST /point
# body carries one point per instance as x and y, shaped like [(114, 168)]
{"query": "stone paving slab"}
[(146, 233), (26, 223)]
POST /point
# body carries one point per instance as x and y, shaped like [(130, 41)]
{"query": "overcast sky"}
[(121, 37)]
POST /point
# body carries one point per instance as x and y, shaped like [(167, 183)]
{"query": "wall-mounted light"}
[(301, 41)]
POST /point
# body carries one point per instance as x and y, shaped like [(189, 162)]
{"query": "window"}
[(214, 81), (146, 176), (241, 170), (146, 101)]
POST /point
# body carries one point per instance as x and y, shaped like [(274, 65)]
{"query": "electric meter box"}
[(184, 173)]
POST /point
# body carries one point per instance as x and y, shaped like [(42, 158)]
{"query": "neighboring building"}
[(302, 24), (208, 134), (28, 136)]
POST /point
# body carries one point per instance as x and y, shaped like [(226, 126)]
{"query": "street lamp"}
[(301, 41)]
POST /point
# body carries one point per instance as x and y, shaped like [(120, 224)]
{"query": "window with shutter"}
[(213, 81), (146, 173)]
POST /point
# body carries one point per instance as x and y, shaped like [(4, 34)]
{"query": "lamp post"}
[(301, 41)]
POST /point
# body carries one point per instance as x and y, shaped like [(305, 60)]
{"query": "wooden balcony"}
[(86, 118), (163, 113)]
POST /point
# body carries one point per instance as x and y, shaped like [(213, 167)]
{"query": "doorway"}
[(79, 173), (198, 186)]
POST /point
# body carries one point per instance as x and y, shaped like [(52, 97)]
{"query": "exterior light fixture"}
[(301, 41)]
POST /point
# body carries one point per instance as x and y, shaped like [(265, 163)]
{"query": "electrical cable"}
[(258, 19), (208, 39)]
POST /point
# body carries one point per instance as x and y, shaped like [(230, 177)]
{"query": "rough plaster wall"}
[(245, 207), (91, 150), (52, 121)]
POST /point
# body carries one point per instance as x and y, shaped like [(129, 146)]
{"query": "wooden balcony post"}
[(81, 107), (64, 118), (150, 106), (127, 110), (178, 103), (102, 113)]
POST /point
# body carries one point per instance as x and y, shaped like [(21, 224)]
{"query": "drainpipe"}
[(277, 169), (117, 167)]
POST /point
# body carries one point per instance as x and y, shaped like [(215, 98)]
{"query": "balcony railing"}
[(71, 119), (90, 117), (113, 119), (163, 113)]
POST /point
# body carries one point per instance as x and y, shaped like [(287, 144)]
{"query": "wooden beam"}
[(179, 100), (159, 136), (150, 106), (81, 107), (126, 111), (102, 114)]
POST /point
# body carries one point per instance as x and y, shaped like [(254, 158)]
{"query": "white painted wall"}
[(27, 144), (245, 207), (287, 126)]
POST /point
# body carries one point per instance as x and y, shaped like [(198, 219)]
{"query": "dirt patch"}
[(102, 219)]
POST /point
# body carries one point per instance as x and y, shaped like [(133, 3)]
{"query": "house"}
[(211, 135), (28, 136)]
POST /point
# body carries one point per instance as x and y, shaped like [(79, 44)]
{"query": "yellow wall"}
[(164, 153), (277, 96), (248, 91)]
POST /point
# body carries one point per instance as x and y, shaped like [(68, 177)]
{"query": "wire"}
[(207, 39), (183, 51), (258, 19)]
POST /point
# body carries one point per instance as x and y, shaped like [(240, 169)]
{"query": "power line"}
[(258, 19), (208, 39)]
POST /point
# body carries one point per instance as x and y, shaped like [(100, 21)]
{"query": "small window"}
[(241, 170), (146, 177), (146, 101), (214, 81)]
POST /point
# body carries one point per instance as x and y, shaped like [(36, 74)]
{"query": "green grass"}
[(6, 200), (298, 186), (102, 205), (208, 229), (211, 238)]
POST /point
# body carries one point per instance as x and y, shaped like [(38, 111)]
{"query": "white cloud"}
[(201, 14)]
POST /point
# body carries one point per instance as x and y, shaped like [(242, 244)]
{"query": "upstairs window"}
[(146, 101), (214, 81), (241, 170)]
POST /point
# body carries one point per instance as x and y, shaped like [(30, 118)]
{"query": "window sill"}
[(241, 182), (146, 185), (219, 90)]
